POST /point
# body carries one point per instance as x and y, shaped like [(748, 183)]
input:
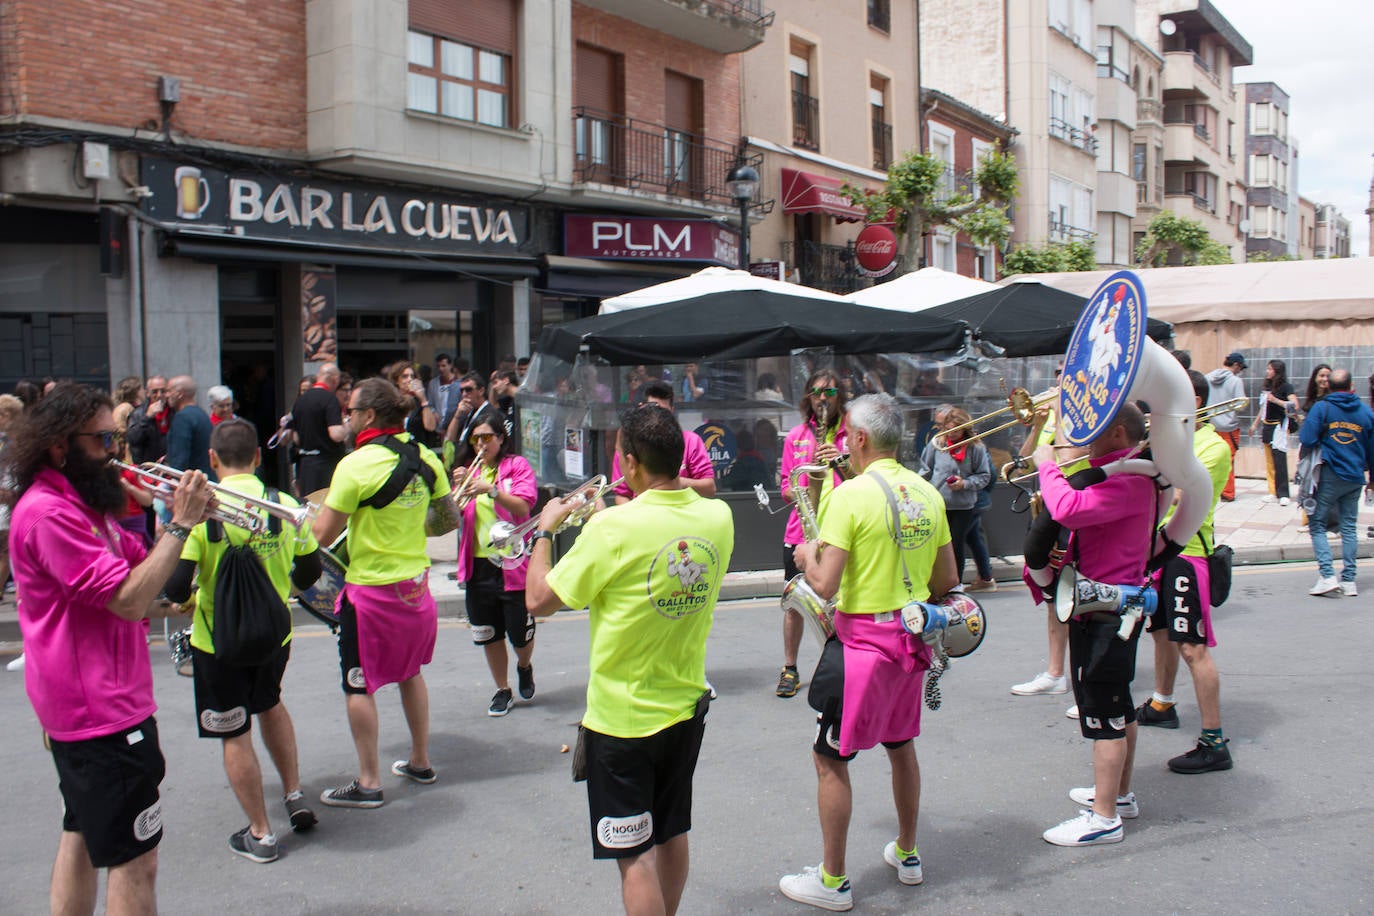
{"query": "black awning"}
[(214, 250)]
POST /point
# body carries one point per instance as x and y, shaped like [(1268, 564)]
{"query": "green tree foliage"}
[(1168, 233), (1053, 258), (922, 196), (1262, 256)]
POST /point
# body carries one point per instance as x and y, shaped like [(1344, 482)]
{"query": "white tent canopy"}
[(708, 280), (923, 289)]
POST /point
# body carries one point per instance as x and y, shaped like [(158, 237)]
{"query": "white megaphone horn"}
[(956, 619), (1077, 595)]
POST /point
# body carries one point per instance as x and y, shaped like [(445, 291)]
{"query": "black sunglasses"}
[(468, 389)]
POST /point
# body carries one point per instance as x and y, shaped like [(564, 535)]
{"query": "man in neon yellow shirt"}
[(882, 545), (1183, 624), (646, 688), (391, 492), (227, 697)]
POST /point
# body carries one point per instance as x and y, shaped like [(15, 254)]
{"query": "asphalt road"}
[(505, 830)]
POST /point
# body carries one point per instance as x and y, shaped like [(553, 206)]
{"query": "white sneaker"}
[(1125, 804), (1326, 585), (1267, 498), (1042, 683), (17, 664), (1283, 500), (1349, 590), (1085, 830), (908, 869), (1072, 711), (808, 887)]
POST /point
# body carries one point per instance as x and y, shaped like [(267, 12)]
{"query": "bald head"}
[(1340, 379), (181, 391), (328, 376)]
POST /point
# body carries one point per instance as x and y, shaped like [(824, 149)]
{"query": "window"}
[(806, 108), (942, 148), (942, 251), (460, 60), (882, 127), (1073, 19), (1138, 164), (880, 15), (1113, 57), (1071, 210), (981, 148), (1268, 119)]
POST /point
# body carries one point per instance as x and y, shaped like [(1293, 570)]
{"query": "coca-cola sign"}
[(876, 250)]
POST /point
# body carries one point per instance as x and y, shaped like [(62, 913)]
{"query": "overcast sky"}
[(1320, 53)]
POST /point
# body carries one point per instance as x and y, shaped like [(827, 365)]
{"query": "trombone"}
[(510, 543), (162, 480), (1022, 406)]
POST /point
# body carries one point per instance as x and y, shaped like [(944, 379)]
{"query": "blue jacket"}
[(1344, 427)]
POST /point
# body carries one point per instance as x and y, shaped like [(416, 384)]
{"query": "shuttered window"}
[(461, 55)]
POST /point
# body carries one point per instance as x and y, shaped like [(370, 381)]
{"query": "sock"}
[(291, 796), (1212, 737), (1160, 702), (831, 881), (792, 668), (903, 853)]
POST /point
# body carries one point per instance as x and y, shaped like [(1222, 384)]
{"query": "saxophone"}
[(797, 595)]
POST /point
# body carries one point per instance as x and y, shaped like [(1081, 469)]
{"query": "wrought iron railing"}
[(828, 267), (752, 10), (1064, 232), (614, 149), (882, 145), (1083, 139), (806, 121), (954, 182)]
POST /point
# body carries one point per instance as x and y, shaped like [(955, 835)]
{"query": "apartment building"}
[(1332, 233), (241, 191), (1307, 229), (830, 98), (1272, 166)]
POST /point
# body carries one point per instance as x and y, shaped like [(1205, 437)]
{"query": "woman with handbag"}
[(1279, 403)]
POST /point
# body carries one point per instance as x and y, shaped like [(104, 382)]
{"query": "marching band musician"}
[(391, 493), (228, 696), (819, 438), (87, 585), (502, 487), (646, 690), (1183, 624), (1113, 525), (883, 666), (696, 472)]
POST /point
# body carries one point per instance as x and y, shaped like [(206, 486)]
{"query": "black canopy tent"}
[(1027, 318), (747, 323)]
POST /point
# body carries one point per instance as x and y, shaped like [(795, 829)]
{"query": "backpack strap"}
[(406, 468)]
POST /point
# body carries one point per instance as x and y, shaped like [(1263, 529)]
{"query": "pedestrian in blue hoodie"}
[(1344, 428)]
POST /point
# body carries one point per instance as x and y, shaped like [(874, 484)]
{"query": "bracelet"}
[(424, 405), (180, 532), (541, 535)]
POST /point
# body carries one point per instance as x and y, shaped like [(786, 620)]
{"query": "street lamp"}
[(743, 182)]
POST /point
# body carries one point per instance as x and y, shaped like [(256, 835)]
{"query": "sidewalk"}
[(1259, 532)]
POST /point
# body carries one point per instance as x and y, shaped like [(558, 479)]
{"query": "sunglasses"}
[(468, 389), (828, 392), (480, 438), (107, 438)]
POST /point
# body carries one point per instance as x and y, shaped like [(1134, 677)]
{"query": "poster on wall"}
[(532, 439), (573, 452), (319, 319)]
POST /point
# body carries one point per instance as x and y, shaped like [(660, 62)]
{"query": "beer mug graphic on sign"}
[(193, 192)]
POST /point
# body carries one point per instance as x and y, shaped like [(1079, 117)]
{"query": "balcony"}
[(1117, 192), (1083, 139), (882, 146), (1064, 232), (1148, 111), (1200, 202), (613, 149), (806, 121), (723, 26), (1185, 76), (828, 267)]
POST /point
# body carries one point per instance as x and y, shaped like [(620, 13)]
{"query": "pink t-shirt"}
[(696, 463), (514, 476), (86, 669), (800, 448)]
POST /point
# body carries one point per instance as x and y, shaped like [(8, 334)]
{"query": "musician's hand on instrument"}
[(826, 452), (804, 555), (192, 499), (1043, 455), (555, 511)]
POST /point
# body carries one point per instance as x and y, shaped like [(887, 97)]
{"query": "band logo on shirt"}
[(917, 524), (682, 576)]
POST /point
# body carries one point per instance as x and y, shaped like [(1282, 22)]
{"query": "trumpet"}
[(1022, 406), (510, 543), (162, 480), (461, 496)]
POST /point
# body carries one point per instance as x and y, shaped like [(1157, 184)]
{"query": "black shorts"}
[(227, 697), (789, 565), (495, 614), (830, 670), (639, 790), (350, 663), (109, 790), (1184, 606), (1101, 668)]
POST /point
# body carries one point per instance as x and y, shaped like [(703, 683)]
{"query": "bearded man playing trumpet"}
[(88, 584), (884, 543), (500, 487), (391, 493)]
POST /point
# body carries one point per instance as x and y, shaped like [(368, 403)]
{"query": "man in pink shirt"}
[(87, 585), (697, 472)]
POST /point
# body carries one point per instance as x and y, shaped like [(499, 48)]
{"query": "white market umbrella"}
[(923, 289), (706, 281)]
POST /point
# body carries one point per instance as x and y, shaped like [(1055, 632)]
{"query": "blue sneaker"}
[(1088, 829)]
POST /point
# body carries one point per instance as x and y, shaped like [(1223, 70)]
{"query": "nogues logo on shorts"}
[(625, 832), (683, 576)]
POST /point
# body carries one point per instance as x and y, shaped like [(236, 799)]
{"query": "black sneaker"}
[(423, 777), (352, 796), (1202, 759), (1148, 715), (302, 818), (250, 847), (500, 704), (526, 676), (788, 682)]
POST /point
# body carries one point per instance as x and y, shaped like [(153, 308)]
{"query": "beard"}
[(96, 481)]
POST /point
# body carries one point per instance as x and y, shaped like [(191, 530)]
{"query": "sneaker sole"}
[(252, 857), (399, 768), (350, 803), (1114, 837), (1146, 723), (892, 860), (1217, 768), (496, 714), (1039, 693), (302, 821), (833, 906)]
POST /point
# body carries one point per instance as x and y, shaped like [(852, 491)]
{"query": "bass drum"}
[(321, 599)]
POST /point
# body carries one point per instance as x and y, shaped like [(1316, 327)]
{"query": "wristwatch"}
[(180, 532), (539, 535)]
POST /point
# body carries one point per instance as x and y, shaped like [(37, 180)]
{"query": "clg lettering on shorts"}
[(625, 832), (212, 720), (682, 576), (355, 678), (148, 824)]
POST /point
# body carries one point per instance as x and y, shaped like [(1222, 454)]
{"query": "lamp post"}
[(743, 182)]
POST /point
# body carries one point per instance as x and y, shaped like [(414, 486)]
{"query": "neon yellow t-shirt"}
[(857, 517), (484, 515), (386, 545), (650, 571), (1215, 456), (277, 552)]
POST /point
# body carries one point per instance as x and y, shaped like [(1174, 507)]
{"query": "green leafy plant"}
[(1056, 257), (1170, 233)]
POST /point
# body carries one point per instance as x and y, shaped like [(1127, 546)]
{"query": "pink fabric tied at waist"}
[(884, 674), (397, 627)]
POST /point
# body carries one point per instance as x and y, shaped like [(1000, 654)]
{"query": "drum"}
[(321, 599)]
